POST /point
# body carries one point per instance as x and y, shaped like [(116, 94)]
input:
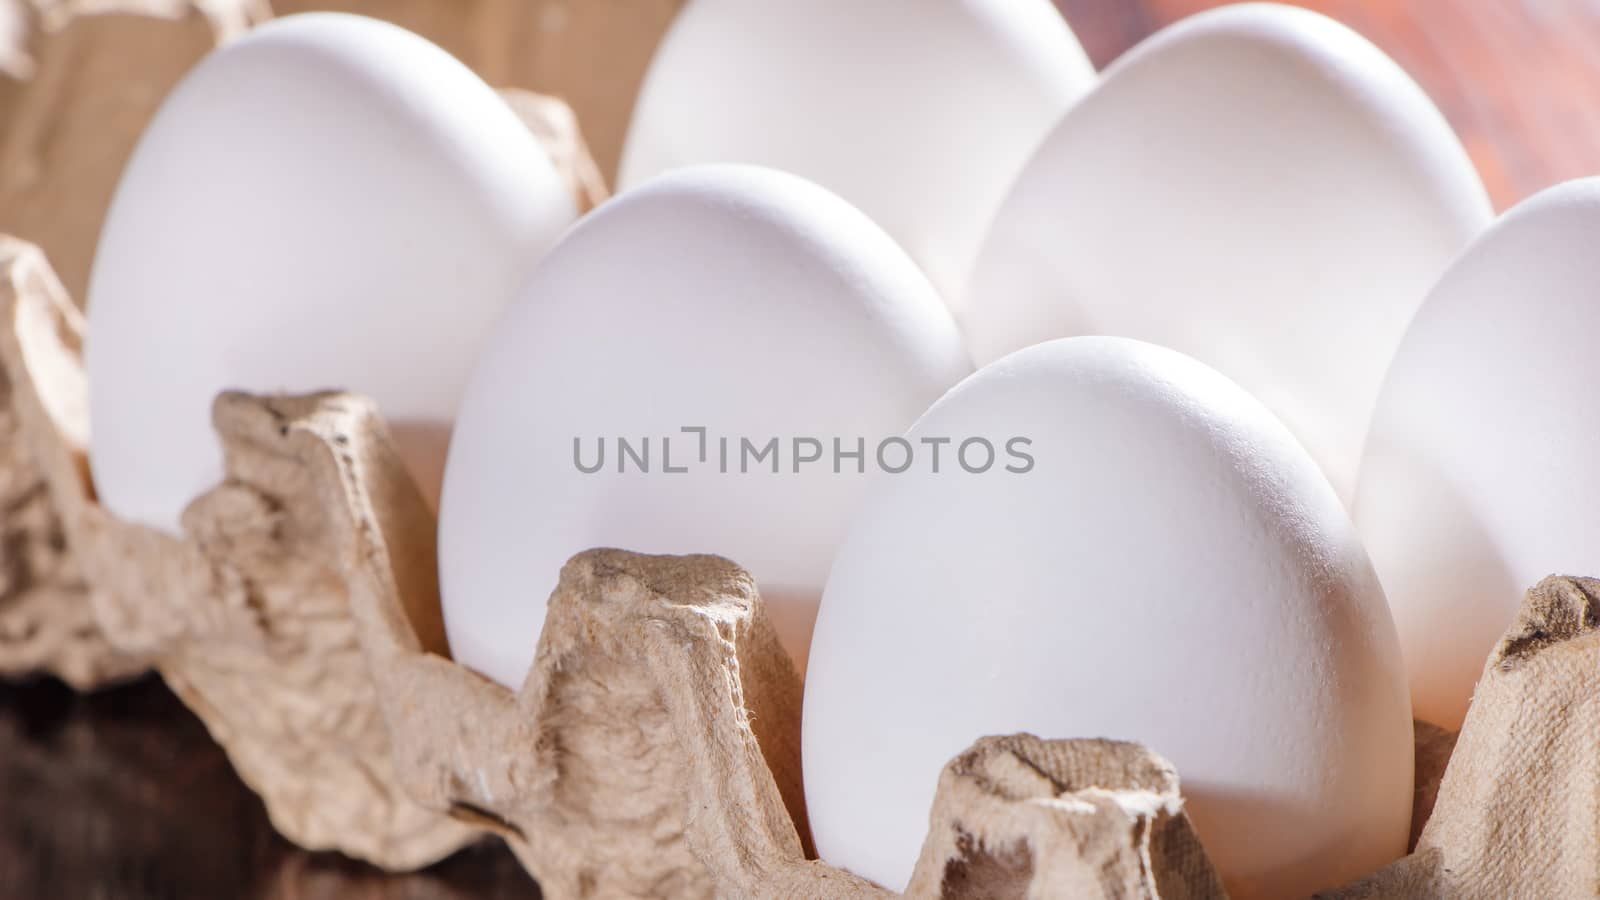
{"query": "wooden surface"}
[(123, 796)]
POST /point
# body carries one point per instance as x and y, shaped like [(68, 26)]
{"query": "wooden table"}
[(123, 796)]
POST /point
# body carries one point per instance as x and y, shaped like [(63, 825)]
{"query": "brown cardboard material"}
[(555, 126), (1434, 747), (79, 80), (45, 620), (245, 616), (1020, 816), (1518, 810), (658, 691), (653, 748)]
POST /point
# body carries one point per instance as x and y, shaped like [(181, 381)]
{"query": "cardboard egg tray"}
[(654, 748)]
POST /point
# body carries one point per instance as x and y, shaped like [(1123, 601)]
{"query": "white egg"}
[(1258, 187), (917, 111), (1480, 466), (746, 303), (328, 202), (1172, 568)]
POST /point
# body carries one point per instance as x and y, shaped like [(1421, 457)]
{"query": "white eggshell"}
[(328, 202), (1258, 187), (1480, 476), (917, 111), (740, 300), (1173, 570)]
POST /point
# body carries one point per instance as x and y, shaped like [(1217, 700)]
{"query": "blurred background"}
[(122, 794), (1518, 79)]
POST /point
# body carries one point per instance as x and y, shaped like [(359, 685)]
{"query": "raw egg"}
[(1147, 554), (1480, 464), (705, 364), (1257, 187), (328, 202), (919, 112)]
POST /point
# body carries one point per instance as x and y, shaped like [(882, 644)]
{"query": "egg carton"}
[(654, 748)]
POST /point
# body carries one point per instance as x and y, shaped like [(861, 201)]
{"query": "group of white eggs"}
[(1307, 314)]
